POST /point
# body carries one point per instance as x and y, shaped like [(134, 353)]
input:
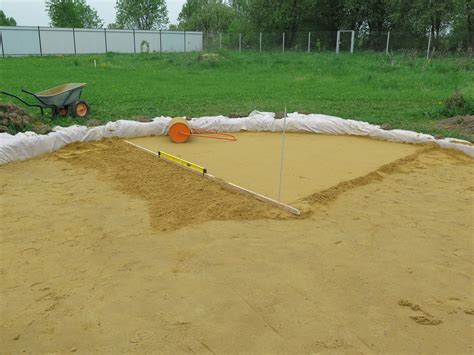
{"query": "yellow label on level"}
[(182, 162)]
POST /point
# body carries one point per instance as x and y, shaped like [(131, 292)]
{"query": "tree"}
[(440, 13), (467, 7), (291, 16), (142, 14), (72, 13), (6, 21), (462, 33), (450, 22), (114, 26), (206, 15)]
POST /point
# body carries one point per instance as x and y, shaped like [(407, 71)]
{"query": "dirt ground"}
[(463, 124), (381, 263)]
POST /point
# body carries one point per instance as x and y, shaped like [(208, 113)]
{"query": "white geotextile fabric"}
[(27, 145)]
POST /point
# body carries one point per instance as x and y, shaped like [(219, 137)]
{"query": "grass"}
[(404, 91)]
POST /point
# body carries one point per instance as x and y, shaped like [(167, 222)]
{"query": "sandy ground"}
[(253, 161), (175, 198), (382, 264)]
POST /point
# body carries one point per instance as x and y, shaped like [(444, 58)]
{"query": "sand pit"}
[(382, 266), (176, 198), (312, 162)]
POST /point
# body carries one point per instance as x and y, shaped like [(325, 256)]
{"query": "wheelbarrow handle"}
[(23, 101), (18, 98), (37, 98)]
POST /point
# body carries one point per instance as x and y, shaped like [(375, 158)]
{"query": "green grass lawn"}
[(404, 91)]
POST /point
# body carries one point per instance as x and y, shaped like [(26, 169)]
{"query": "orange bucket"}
[(178, 130)]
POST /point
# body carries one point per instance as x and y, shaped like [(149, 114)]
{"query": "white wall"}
[(90, 41), (27, 41), (120, 41), (150, 37), (193, 41), (173, 41), (57, 41), (20, 40)]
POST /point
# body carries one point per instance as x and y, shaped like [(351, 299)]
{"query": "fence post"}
[(184, 36), (161, 47), (74, 40), (220, 40), (309, 42), (39, 39), (388, 43), (105, 38), (240, 42), (352, 41), (338, 38), (1, 40), (429, 45), (283, 44), (260, 42), (134, 43)]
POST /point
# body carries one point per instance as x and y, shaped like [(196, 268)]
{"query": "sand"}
[(175, 197), (383, 265), (312, 162)]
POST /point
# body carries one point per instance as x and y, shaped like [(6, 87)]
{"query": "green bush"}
[(456, 105)]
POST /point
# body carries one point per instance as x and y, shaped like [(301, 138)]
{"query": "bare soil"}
[(462, 124), (15, 119), (383, 264)]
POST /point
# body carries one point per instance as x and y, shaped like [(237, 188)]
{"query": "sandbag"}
[(28, 145)]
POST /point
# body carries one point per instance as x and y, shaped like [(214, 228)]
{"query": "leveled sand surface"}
[(312, 162), (106, 249)]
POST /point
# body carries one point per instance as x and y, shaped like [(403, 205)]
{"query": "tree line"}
[(372, 18)]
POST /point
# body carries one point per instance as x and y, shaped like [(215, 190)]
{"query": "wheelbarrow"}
[(62, 100)]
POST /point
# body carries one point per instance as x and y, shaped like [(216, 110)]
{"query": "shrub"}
[(456, 105)]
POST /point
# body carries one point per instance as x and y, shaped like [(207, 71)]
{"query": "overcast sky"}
[(32, 12)]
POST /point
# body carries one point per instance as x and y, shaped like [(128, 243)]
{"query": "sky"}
[(32, 12)]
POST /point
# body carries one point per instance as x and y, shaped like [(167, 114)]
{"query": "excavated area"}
[(106, 248)]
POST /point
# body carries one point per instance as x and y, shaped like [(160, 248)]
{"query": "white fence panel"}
[(193, 41), (90, 41), (20, 40), (173, 41), (120, 41), (46, 40), (152, 38), (57, 40)]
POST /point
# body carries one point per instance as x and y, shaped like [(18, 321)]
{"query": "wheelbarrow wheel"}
[(81, 109)]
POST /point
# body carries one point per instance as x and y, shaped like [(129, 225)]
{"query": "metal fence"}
[(20, 41), (339, 41), (23, 41)]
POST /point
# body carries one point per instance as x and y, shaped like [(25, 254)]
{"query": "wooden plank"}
[(233, 187), (142, 148)]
